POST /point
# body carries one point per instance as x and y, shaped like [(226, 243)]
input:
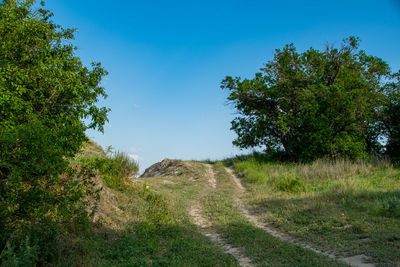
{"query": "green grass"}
[(341, 207), (115, 168), (151, 228), (264, 249), (346, 207), (218, 207), (152, 237)]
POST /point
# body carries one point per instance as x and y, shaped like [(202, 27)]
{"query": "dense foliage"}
[(391, 119), (333, 102), (47, 101)]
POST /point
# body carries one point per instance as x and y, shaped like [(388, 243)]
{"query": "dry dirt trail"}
[(358, 260), (211, 176), (205, 226)]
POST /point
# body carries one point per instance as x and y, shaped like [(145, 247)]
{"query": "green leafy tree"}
[(47, 100), (312, 104), (391, 117)]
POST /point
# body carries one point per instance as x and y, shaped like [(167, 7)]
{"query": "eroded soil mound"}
[(167, 168)]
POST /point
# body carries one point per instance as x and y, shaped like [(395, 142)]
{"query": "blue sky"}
[(166, 60)]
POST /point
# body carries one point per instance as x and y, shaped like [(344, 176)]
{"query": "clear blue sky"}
[(166, 60)]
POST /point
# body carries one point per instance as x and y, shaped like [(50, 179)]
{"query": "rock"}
[(166, 168)]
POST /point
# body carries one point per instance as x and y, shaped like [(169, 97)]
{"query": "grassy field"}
[(347, 208), (341, 207), (264, 249), (218, 206)]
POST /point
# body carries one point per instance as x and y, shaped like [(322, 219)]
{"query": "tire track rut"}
[(207, 230)]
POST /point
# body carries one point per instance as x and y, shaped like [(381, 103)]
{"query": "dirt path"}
[(211, 176), (358, 260), (205, 226)]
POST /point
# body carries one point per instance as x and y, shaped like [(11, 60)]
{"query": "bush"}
[(37, 183)]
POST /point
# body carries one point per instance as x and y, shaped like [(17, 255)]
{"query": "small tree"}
[(312, 104), (46, 96)]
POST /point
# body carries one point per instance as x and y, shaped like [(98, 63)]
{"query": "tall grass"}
[(294, 177), (331, 203), (115, 168)]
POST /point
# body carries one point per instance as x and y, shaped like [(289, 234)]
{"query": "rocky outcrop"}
[(167, 168)]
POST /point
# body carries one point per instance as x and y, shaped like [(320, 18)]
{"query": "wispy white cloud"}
[(133, 149), (134, 157)]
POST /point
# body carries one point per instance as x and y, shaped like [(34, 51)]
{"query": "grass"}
[(145, 224), (154, 228), (218, 207), (264, 249), (153, 236), (114, 167), (349, 208)]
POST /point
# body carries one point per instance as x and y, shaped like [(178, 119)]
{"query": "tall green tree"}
[(391, 117), (312, 104), (48, 98)]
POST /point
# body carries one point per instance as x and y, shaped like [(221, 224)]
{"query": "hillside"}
[(136, 225), (199, 214)]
